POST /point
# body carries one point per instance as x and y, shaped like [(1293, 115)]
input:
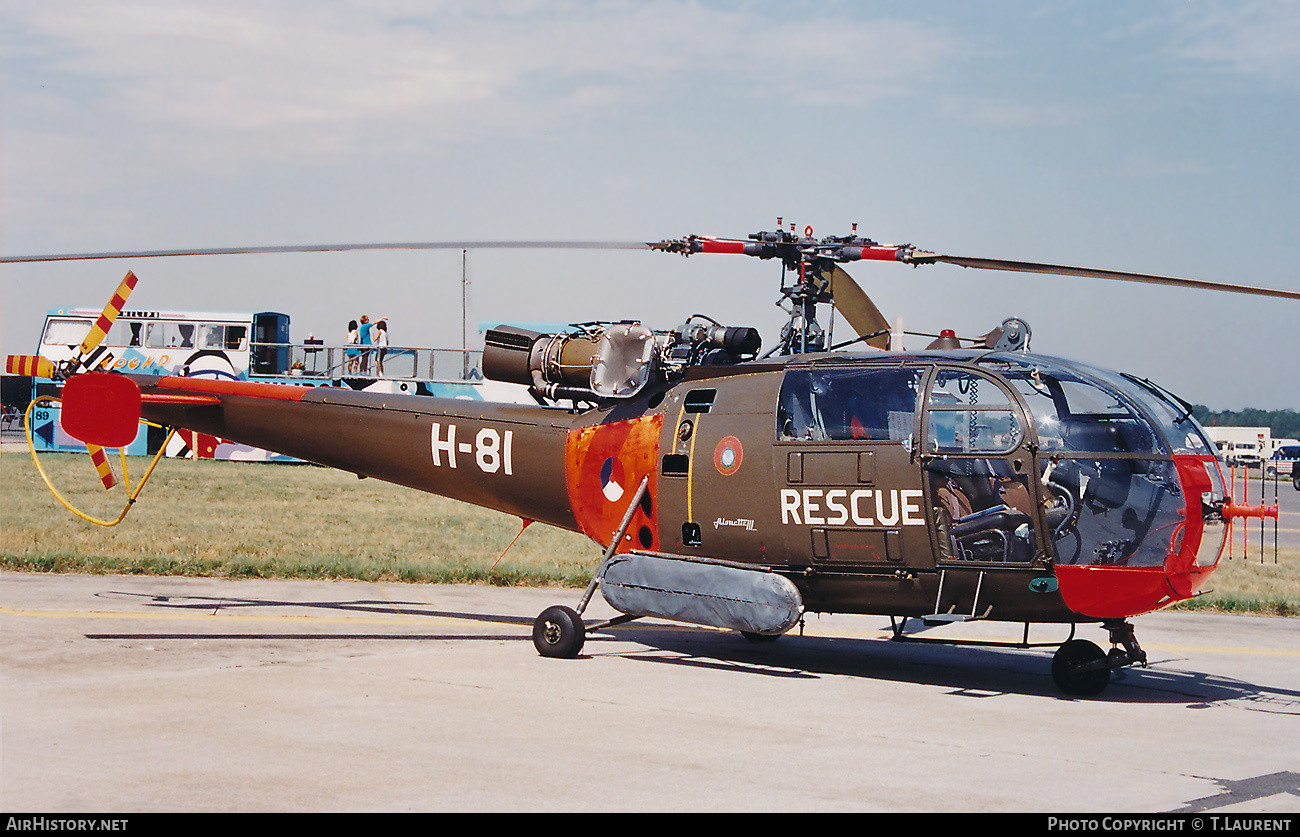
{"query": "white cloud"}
[(1013, 113), (1257, 39), (211, 85)]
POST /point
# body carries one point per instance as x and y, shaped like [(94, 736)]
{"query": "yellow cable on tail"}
[(101, 465)]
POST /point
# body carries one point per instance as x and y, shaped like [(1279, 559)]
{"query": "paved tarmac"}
[(136, 694)]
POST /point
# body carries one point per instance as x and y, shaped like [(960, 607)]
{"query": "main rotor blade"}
[(1092, 273), (861, 313), (328, 248)]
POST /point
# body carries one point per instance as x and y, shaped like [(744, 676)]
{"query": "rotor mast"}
[(819, 281)]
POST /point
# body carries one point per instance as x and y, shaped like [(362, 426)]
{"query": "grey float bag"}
[(701, 593)]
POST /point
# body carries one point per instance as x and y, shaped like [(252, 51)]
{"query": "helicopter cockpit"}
[(1029, 460), (1109, 449)]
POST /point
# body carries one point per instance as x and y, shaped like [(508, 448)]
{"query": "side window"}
[(65, 332), (236, 337), (877, 405), (170, 335), (212, 336), (967, 413)]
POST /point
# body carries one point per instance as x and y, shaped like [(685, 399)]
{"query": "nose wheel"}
[(1081, 668)]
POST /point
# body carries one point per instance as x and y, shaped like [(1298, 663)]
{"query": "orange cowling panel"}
[(603, 466)]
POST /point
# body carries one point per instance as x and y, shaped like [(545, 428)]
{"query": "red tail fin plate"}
[(101, 409)]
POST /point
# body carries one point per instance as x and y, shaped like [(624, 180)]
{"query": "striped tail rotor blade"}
[(100, 459), (31, 365), (105, 321)]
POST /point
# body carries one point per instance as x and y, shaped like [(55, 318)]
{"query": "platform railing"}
[(403, 363)]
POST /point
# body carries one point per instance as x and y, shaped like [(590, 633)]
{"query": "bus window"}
[(169, 335), (125, 333), (237, 337), (65, 332), (213, 336)]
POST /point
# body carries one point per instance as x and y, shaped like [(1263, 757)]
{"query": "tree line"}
[(1284, 424)]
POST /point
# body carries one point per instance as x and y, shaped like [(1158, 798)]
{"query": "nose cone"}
[(1192, 547)]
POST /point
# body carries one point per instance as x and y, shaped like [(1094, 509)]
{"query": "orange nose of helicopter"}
[(1194, 545)]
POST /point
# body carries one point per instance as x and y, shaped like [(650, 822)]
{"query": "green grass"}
[(283, 521), (1253, 585), (232, 519)]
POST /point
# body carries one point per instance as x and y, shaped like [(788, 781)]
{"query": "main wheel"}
[(1295, 476), (1065, 668), (559, 632)]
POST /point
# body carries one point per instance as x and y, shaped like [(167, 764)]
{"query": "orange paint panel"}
[(1114, 592), (183, 400), (279, 392), (604, 465)]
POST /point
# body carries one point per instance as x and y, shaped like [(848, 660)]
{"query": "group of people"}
[(365, 335)]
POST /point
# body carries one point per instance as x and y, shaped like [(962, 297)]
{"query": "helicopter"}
[(970, 480)]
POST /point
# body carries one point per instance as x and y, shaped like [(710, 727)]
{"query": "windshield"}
[(1106, 444)]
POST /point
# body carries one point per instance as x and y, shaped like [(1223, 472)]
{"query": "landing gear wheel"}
[(757, 637), (559, 632), (1065, 668)]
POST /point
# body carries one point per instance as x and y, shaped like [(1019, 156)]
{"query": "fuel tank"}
[(719, 595)]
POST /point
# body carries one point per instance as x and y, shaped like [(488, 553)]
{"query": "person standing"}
[(364, 331), (351, 353), (381, 341), (367, 339)]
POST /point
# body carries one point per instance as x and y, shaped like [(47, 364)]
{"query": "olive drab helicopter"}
[(970, 480)]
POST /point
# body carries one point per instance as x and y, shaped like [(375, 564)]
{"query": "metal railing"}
[(316, 360)]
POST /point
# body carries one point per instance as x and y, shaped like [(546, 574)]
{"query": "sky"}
[(1157, 137)]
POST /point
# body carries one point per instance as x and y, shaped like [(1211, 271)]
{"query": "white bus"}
[(240, 346)]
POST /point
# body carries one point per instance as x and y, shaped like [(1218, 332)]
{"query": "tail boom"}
[(506, 457)]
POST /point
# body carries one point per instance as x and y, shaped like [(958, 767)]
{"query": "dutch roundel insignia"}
[(611, 479), (728, 455)]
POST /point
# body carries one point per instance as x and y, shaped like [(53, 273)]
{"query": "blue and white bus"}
[(242, 347)]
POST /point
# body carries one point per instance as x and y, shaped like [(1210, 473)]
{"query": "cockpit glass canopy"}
[(1078, 409), (1106, 444)]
